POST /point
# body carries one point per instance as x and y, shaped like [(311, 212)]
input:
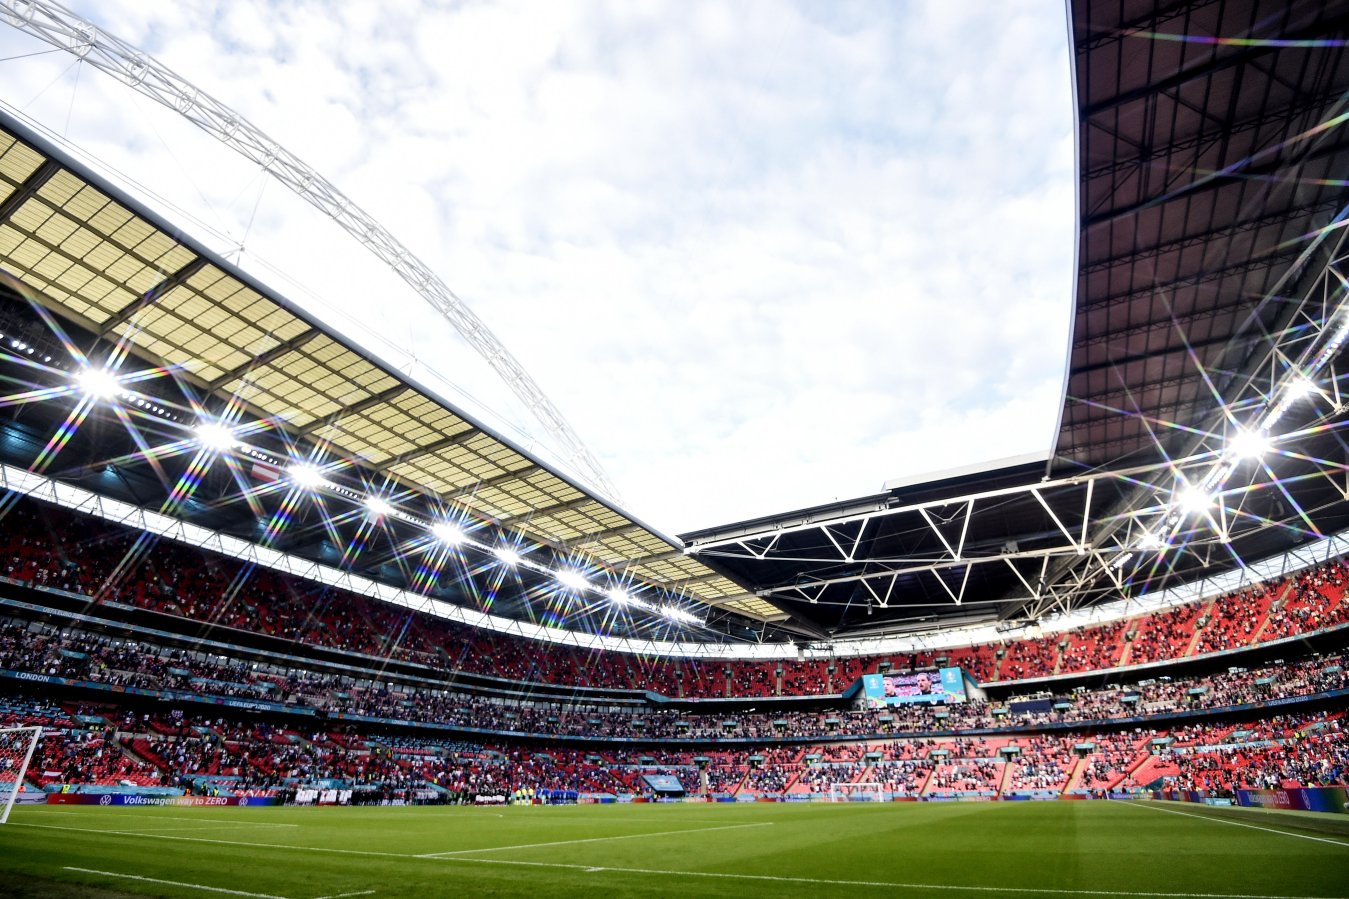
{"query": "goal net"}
[(865, 791), (17, 745)]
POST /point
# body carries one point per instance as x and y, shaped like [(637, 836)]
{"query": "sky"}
[(762, 255)]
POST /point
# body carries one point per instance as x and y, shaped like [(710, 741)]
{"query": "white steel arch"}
[(63, 29)]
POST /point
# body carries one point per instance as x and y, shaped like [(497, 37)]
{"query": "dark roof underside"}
[(1211, 153), (1195, 197)]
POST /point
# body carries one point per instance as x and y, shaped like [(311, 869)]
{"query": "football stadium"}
[(281, 619)]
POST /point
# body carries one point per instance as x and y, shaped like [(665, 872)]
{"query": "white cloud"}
[(761, 255)]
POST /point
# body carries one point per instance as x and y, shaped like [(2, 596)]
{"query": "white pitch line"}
[(340, 895), (211, 840), (200, 826), (171, 828), (174, 883), (157, 817), (1218, 820), (629, 836), (667, 873)]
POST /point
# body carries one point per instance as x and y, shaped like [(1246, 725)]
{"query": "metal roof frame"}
[(98, 259)]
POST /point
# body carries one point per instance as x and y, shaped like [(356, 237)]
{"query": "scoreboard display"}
[(930, 686), (663, 783)]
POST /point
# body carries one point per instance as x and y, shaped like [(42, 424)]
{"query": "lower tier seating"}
[(97, 746)]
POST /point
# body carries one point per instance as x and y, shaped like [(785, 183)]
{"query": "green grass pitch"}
[(906, 850)]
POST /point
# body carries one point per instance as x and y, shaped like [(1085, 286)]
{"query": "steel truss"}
[(1095, 544), (27, 483), (63, 29), (948, 521), (1298, 365)]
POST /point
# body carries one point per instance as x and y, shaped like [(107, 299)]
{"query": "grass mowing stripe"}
[(626, 836), (886, 884), (173, 883), (769, 878), (1217, 820)]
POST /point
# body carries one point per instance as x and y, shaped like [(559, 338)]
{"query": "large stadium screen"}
[(663, 783), (941, 685)]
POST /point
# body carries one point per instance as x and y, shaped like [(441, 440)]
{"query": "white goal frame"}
[(838, 792), (36, 731)]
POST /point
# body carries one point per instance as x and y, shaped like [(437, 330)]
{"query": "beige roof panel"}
[(91, 256), (17, 160)]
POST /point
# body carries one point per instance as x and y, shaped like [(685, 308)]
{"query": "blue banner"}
[(953, 684), (1304, 799), (137, 799)]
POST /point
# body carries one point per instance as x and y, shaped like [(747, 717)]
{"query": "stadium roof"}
[(1207, 155), (216, 340), (1212, 151), (1208, 304)]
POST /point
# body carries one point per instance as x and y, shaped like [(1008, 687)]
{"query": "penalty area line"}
[(1217, 820), (628, 836), (172, 883)]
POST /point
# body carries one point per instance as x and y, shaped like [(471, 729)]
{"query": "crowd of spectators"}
[(1045, 764), (43, 649), (100, 745), (1284, 752), (51, 547)]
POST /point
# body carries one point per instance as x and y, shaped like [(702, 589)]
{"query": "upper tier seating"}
[(49, 546)]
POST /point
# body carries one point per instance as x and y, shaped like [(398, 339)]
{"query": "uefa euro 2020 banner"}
[(931, 686)]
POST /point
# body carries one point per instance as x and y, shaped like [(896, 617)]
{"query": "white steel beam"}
[(765, 532)]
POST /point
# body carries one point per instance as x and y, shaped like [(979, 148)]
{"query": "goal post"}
[(17, 745), (864, 791)]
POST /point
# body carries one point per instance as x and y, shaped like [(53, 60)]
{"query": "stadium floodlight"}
[(377, 506), (303, 474), (674, 613), (1250, 444), (507, 556), (214, 436), (1150, 541), (1194, 499), (1301, 387), (572, 579), (448, 533), (622, 597), (99, 383)]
